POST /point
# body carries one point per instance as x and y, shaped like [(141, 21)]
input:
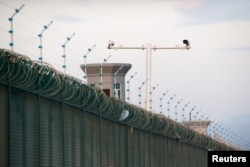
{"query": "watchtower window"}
[(117, 86), (107, 91)]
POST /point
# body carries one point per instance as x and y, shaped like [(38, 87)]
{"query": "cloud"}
[(240, 48), (206, 12), (239, 124), (188, 4), (68, 18)]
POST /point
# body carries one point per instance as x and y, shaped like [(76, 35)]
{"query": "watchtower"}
[(110, 77), (198, 125)]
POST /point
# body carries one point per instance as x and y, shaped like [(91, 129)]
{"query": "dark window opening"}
[(107, 92)]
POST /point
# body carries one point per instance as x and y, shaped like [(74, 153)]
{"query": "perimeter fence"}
[(48, 118)]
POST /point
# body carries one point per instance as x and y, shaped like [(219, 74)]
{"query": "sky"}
[(213, 75)]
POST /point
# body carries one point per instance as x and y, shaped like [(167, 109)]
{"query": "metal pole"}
[(128, 82), (140, 91), (163, 95), (183, 115), (148, 75), (148, 61), (170, 99), (85, 62), (191, 112), (11, 31), (101, 75), (150, 100), (101, 66), (64, 50), (176, 109), (41, 42), (196, 114), (115, 87)]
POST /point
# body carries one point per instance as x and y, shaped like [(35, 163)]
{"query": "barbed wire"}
[(25, 81), (18, 70)]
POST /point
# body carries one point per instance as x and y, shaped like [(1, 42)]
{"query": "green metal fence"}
[(52, 119)]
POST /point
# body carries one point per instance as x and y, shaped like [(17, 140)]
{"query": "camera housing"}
[(110, 43), (186, 42)]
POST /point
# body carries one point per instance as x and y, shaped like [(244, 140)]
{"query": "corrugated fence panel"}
[(72, 138), (56, 134), (51, 133), (17, 151), (171, 152), (4, 143), (52, 119), (144, 148), (48, 133), (107, 143), (92, 140), (24, 135), (133, 147), (45, 132), (160, 145), (120, 138), (185, 158), (68, 136), (156, 153)]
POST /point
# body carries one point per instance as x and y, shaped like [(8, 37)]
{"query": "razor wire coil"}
[(18, 70)]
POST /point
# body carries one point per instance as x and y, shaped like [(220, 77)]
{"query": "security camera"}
[(110, 43), (186, 42)]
